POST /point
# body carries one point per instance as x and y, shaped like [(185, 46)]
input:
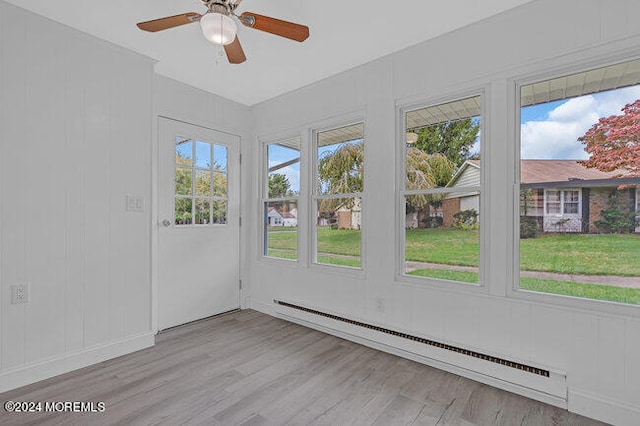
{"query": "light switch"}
[(135, 203)]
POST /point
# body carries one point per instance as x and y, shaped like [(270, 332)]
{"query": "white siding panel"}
[(583, 370), (68, 104), (611, 353), (631, 364), (13, 169)]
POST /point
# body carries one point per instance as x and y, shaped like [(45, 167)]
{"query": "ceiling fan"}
[(218, 26)]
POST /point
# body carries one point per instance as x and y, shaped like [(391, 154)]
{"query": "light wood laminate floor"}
[(248, 368)]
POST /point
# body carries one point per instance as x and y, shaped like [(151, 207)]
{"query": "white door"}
[(198, 211)]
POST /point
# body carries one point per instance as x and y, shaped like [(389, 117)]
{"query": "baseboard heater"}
[(474, 354)]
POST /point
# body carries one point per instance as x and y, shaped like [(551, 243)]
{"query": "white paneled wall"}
[(598, 349), (75, 140)]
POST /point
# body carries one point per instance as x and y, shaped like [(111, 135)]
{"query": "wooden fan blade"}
[(169, 22), (234, 51), (275, 26)]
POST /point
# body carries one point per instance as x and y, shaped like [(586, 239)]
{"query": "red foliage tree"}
[(614, 142)]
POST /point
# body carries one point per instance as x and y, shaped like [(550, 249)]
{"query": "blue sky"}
[(551, 130)]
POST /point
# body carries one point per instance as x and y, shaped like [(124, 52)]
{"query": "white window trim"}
[(401, 114), (533, 74), (359, 272), (562, 202), (264, 199)]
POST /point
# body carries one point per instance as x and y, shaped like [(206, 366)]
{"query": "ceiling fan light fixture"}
[(218, 28)]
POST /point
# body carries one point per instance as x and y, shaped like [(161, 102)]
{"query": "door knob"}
[(166, 223)]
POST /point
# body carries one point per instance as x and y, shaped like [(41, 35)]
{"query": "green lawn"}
[(572, 254), (567, 288), (340, 243), (589, 254)]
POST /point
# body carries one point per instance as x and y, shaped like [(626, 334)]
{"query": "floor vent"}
[(501, 361)]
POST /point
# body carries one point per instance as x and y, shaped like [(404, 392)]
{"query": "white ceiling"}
[(343, 34)]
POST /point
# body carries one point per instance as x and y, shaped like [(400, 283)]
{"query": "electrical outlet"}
[(19, 293), (379, 304)]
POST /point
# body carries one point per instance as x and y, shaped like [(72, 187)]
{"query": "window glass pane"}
[(203, 155), (281, 229), (203, 183), (442, 140), (220, 157), (184, 151), (283, 169), (183, 211), (338, 236), (202, 212), (442, 236), (184, 184), (220, 184), (574, 143), (219, 208), (340, 168), (442, 149)]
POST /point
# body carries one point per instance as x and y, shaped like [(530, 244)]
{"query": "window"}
[(566, 202), (338, 191), (574, 148), (280, 199), (200, 183), (442, 189)]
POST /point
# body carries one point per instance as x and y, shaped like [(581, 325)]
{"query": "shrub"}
[(529, 227), (616, 218), (465, 219), (432, 222)]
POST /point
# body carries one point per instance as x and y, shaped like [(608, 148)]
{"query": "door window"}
[(200, 183)]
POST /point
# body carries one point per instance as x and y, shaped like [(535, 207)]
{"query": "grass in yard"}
[(567, 288), (446, 246), (353, 262), (287, 240), (589, 254), (445, 274), (589, 291), (339, 241), (283, 254)]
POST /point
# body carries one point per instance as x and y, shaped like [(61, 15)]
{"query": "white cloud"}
[(556, 137), (292, 173)]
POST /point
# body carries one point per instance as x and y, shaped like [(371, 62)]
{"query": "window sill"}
[(440, 284), (592, 306)]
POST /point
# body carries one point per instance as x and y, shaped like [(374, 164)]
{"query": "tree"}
[(614, 142), (426, 171), (454, 139), (341, 171), (279, 186)]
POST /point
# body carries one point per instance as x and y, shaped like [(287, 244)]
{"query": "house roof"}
[(538, 171), (550, 173)]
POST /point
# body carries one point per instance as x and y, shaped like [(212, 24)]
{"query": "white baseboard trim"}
[(32, 373), (599, 408), (451, 363)]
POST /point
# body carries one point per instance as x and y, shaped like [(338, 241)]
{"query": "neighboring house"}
[(275, 218), (564, 195), (350, 218)]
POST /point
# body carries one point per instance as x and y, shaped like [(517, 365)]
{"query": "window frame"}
[(314, 197), (514, 84), (402, 109), (563, 201), (193, 197), (264, 197)]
